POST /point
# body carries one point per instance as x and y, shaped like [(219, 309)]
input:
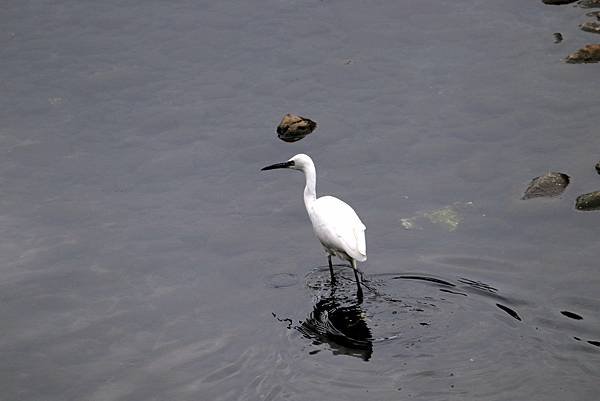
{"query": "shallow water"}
[(145, 256)]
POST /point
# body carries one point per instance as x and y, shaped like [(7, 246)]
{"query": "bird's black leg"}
[(331, 269), (359, 293)]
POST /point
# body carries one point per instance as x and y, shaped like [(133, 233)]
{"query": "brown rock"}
[(551, 184), (589, 201), (292, 128), (587, 54)]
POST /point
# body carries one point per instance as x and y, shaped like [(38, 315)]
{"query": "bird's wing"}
[(361, 242), (341, 222)]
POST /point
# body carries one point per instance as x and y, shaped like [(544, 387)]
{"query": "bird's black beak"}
[(278, 165)]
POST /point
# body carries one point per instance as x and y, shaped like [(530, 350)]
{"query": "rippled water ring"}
[(405, 310)]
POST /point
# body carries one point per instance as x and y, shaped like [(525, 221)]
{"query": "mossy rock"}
[(590, 201), (547, 185)]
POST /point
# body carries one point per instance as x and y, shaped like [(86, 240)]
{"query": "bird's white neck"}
[(310, 190)]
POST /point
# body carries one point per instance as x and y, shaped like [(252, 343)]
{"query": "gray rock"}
[(589, 201), (551, 184), (590, 26), (292, 128)]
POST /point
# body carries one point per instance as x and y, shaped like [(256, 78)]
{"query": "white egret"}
[(335, 223)]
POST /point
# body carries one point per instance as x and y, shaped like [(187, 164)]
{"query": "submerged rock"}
[(558, 2), (551, 184), (292, 128), (590, 26), (594, 14), (448, 217), (589, 201), (589, 3), (587, 54)]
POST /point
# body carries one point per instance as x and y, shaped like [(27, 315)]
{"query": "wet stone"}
[(292, 128), (589, 201), (587, 54), (590, 26), (589, 3), (551, 184)]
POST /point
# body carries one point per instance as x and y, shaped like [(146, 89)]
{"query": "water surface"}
[(145, 256)]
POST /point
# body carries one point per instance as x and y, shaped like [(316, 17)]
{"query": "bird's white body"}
[(334, 222), (338, 228)]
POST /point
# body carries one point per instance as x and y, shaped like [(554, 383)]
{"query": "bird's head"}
[(298, 162)]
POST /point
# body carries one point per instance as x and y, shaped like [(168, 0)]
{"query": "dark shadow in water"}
[(571, 315), (284, 320), (479, 285), (424, 278), (452, 292), (509, 311), (339, 322)]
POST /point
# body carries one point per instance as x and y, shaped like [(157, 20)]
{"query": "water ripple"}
[(420, 331)]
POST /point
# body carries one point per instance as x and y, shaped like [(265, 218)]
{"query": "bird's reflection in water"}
[(340, 322)]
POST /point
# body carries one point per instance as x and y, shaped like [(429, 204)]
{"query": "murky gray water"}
[(145, 257)]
